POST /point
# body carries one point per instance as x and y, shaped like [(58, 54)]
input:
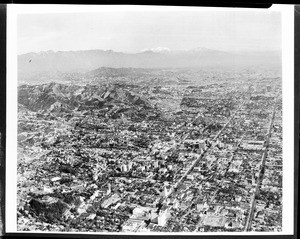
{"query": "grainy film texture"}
[(150, 121)]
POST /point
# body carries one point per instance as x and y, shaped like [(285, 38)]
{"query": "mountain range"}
[(34, 64)]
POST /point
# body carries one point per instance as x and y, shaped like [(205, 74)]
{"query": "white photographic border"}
[(287, 15)]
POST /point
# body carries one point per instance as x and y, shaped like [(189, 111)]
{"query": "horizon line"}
[(152, 50)]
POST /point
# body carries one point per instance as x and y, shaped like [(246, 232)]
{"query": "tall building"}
[(108, 189), (202, 144), (166, 191), (163, 216), (142, 168), (129, 166), (124, 168)]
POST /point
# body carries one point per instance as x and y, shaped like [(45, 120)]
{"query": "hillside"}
[(39, 66)]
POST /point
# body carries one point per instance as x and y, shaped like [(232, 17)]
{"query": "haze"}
[(137, 31)]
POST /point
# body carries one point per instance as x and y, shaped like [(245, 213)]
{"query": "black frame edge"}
[(3, 13), (296, 111)]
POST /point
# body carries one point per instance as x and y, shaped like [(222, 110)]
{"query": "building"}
[(163, 216), (214, 221), (163, 170), (166, 191), (129, 166), (142, 212), (197, 145), (124, 168), (202, 145), (111, 200), (142, 168), (108, 189), (105, 189), (132, 224)]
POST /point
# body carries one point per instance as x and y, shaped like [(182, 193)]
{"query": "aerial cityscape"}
[(164, 150), (136, 145)]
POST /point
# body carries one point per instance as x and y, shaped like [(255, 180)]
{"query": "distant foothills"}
[(82, 61)]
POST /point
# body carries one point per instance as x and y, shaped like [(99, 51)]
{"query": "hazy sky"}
[(135, 31)]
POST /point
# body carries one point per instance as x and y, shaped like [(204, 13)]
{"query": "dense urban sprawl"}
[(165, 150)]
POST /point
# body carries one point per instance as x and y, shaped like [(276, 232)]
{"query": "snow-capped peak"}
[(157, 49)]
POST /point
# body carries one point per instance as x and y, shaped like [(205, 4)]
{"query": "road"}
[(261, 172), (199, 157)]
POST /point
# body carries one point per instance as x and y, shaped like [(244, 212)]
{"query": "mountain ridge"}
[(38, 64), (154, 50)]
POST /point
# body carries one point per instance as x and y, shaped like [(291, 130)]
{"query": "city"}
[(151, 150)]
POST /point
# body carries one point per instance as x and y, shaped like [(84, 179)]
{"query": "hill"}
[(52, 64)]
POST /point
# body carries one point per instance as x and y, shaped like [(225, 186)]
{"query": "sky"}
[(137, 30)]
